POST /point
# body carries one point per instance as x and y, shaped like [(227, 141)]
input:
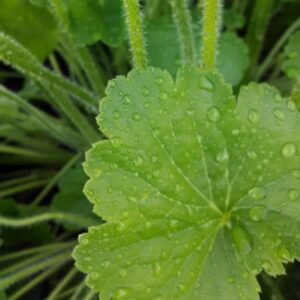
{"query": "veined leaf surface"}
[(200, 192)]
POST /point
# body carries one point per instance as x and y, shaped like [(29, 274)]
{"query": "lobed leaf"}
[(200, 193)]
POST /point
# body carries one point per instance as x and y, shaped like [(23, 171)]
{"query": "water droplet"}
[(122, 272), (284, 254), (112, 84), (181, 287), (156, 268), (159, 81), (120, 226), (291, 105), (251, 154), (294, 195), (115, 115), (94, 275), (235, 131), (267, 266), (138, 161), (278, 98), (230, 280), (213, 114), (257, 193), (257, 213), (223, 156), (253, 116), (163, 96), (296, 173), (125, 214), (119, 293), (206, 84), (145, 92), (136, 117), (126, 99), (278, 113), (173, 223), (289, 150)]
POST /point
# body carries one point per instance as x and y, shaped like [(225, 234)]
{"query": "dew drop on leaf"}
[(126, 99), (181, 287), (159, 81), (145, 92), (289, 150), (94, 275), (284, 254), (138, 161), (206, 84), (257, 213), (136, 117), (257, 193), (156, 268), (213, 114), (251, 154), (223, 156), (267, 266), (291, 105), (115, 115), (293, 195), (253, 116), (278, 113), (230, 280), (296, 173), (119, 294), (122, 272)]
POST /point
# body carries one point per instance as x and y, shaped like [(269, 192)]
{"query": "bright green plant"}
[(194, 185)]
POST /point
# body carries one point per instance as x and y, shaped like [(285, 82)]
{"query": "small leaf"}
[(91, 21), (200, 192), (32, 26)]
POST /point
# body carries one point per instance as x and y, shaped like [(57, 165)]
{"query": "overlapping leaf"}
[(200, 192)]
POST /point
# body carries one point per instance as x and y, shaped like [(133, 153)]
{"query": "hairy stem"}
[(52, 216), (135, 30), (210, 34), (183, 21)]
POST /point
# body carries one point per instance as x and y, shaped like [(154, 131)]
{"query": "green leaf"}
[(200, 194), (164, 49), (91, 21), (32, 26), (291, 65), (233, 20), (70, 198)]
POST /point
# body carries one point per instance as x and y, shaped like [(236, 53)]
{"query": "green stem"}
[(23, 273), (135, 30), (279, 44), (52, 216), (35, 155), (70, 275), (23, 187), (276, 294), (183, 21), (35, 250), (78, 291), (33, 282), (16, 181), (54, 180), (257, 27), (211, 30)]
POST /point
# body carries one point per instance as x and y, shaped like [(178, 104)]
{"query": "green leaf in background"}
[(70, 197), (291, 65), (200, 192), (93, 20), (232, 20), (163, 48), (32, 26)]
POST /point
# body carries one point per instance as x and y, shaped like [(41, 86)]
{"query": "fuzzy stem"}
[(183, 21), (211, 28), (135, 30), (72, 218)]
